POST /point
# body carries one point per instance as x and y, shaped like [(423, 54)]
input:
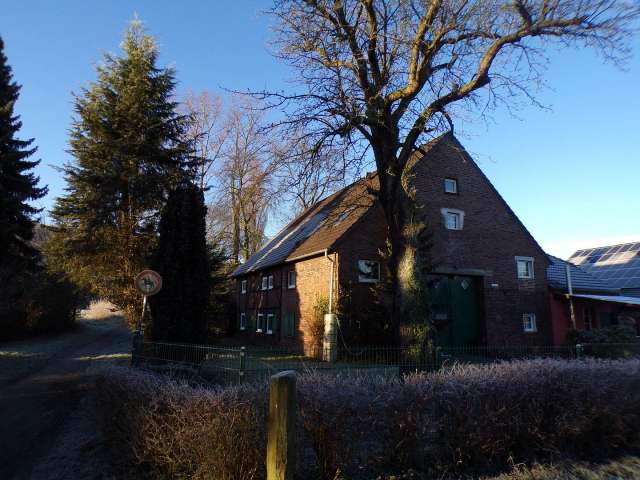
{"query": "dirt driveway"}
[(45, 429)]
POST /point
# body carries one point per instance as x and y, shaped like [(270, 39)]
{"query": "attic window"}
[(450, 185), (453, 219)]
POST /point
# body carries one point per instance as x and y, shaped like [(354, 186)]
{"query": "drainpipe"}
[(326, 254), (570, 296)]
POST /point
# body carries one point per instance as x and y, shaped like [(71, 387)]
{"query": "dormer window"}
[(450, 185)]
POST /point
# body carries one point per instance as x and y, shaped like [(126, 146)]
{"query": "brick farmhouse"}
[(489, 274)]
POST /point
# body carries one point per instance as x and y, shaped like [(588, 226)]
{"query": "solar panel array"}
[(618, 265)]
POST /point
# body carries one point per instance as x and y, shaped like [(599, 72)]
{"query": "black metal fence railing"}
[(228, 365)]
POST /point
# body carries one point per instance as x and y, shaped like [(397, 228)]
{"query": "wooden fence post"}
[(281, 426)]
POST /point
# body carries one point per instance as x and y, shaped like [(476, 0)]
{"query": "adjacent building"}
[(595, 302), (488, 285)]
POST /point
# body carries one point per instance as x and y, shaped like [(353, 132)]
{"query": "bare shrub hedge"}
[(465, 420)]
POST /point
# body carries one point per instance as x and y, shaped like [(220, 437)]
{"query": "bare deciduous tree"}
[(207, 132), (244, 181), (387, 75)]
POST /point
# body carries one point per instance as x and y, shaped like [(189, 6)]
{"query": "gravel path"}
[(46, 424)]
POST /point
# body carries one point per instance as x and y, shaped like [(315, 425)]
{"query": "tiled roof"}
[(618, 265), (316, 229), (580, 280)]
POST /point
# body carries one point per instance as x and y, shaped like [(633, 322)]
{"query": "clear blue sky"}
[(571, 174)]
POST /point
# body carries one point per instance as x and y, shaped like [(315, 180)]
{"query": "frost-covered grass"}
[(470, 420)]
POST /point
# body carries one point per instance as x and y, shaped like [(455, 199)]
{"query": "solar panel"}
[(618, 265)]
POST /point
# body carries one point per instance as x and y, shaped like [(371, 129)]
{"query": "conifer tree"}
[(18, 187), (128, 149), (18, 184), (179, 310)]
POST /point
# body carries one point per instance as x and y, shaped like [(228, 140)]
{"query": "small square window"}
[(260, 323), (529, 322), (270, 321), (368, 271), (291, 279), (243, 286), (270, 282), (243, 321), (265, 282), (450, 185), (525, 267)]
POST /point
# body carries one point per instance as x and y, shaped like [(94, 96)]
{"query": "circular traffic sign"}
[(148, 282)]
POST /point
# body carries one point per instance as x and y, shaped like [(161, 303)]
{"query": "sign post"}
[(147, 282)]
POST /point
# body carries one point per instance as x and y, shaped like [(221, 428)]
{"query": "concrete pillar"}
[(281, 427), (330, 339)]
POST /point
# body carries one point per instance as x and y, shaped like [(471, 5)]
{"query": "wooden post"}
[(281, 426)]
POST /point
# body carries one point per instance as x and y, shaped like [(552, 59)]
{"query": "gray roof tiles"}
[(581, 281)]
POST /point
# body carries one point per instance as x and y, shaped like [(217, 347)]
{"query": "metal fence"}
[(228, 365)]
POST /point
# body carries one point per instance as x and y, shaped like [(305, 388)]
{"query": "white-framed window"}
[(529, 322), (270, 318), (450, 185), (243, 286), (265, 282), (291, 279), (260, 323), (368, 271), (453, 218), (243, 321), (524, 266), (270, 282)]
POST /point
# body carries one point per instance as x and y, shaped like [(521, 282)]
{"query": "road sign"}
[(148, 282)]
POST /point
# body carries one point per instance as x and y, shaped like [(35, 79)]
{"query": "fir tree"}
[(128, 152), (18, 184), (179, 310), (18, 187)]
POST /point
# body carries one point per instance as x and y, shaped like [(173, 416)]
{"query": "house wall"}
[(561, 317), (489, 241), (312, 283)]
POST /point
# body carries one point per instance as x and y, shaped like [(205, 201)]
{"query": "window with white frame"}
[(529, 322), (270, 319), (453, 218), (243, 286), (291, 279), (524, 266), (260, 323), (265, 282), (368, 271), (450, 185), (270, 282), (243, 321)]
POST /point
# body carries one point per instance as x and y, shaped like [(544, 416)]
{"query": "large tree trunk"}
[(406, 259)]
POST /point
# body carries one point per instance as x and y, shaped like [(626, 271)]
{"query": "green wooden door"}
[(455, 310)]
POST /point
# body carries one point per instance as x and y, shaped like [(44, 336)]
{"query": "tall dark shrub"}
[(179, 310)]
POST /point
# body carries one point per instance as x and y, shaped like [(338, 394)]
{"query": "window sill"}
[(258, 331), (243, 328), (269, 332), (364, 280)]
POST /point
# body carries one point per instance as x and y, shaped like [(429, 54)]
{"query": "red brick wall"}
[(312, 281), (490, 240)]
